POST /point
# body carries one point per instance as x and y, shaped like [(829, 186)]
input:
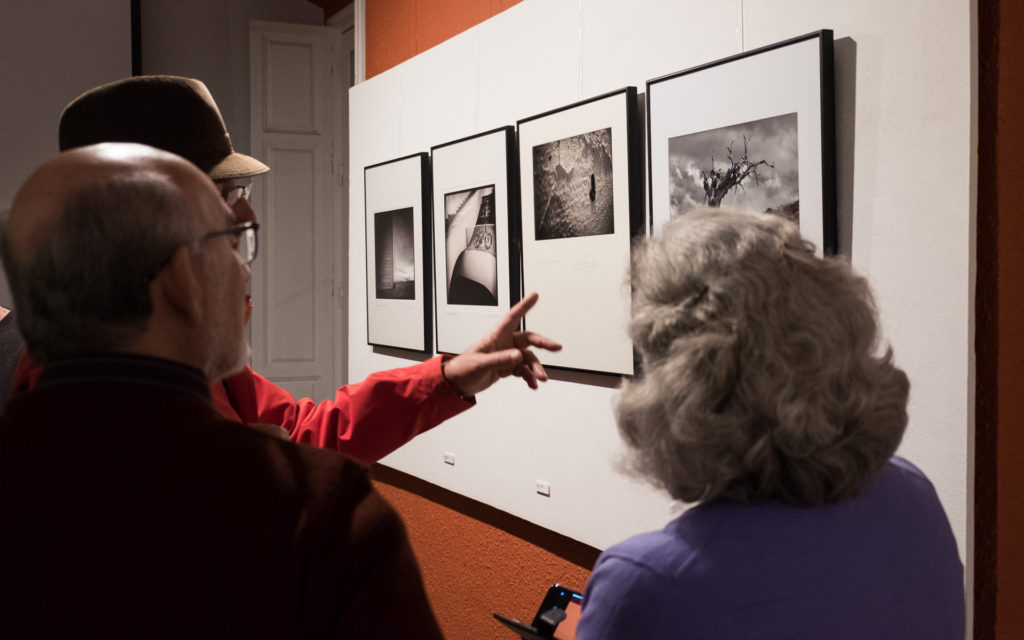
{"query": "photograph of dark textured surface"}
[(395, 254), (752, 165), (572, 186), (471, 247)]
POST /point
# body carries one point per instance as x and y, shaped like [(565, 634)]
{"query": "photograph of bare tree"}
[(471, 247), (572, 186), (753, 165), (395, 254)]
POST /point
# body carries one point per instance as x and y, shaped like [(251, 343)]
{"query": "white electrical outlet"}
[(543, 488), (449, 458)]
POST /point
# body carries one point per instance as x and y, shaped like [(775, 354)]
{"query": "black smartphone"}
[(558, 613), (556, 617)]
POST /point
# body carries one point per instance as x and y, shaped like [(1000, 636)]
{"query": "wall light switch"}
[(543, 488), (449, 458)]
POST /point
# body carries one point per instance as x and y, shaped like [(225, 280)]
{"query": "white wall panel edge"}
[(972, 152)]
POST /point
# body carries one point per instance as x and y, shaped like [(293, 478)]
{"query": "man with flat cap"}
[(367, 420), (130, 507)]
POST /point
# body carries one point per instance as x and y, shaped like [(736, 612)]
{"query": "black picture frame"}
[(582, 205), (476, 236), (778, 101), (398, 262)]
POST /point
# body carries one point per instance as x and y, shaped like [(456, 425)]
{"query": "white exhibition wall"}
[(904, 77)]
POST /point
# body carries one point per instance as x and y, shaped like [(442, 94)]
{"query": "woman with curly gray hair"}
[(764, 399)]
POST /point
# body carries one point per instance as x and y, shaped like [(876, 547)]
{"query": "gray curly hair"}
[(760, 375)]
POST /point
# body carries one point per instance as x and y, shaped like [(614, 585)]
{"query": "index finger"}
[(511, 320)]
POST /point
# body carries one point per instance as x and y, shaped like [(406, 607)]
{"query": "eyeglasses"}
[(246, 240), (237, 193)]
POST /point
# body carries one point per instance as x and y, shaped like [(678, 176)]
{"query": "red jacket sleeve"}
[(365, 421), (26, 374)]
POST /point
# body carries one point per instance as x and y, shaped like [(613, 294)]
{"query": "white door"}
[(294, 90)]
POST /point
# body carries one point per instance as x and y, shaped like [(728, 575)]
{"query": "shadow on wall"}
[(845, 51)]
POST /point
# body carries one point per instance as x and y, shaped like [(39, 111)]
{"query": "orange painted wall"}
[(397, 30), (477, 560)]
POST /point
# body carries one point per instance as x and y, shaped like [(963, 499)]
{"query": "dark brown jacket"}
[(130, 509)]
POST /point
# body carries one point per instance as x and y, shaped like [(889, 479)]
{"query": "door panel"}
[(293, 128), (292, 258)]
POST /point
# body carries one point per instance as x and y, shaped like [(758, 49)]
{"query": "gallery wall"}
[(41, 46), (52, 51), (905, 173), (209, 40)]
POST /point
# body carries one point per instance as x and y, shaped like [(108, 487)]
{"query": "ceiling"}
[(330, 7)]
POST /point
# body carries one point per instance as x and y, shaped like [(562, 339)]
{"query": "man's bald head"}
[(44, 197), (87, 233)]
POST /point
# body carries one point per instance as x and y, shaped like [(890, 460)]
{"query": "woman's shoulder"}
[(721, 527), (900, 477), (668, 550), (905, 470)]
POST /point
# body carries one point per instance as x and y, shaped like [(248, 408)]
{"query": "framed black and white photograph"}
[(476, 236), (753, 131), (398, 265), (582, 203)]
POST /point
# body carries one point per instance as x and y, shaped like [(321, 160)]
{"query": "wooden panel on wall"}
[(999, 339)]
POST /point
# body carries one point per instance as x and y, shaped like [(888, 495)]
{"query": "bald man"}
[(160, 518)]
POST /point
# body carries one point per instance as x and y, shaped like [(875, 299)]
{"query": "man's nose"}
[(243, 211)]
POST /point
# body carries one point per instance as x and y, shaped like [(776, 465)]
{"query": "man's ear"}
[(177, 285)]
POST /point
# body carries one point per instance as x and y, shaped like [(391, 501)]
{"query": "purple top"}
[(883, 565)]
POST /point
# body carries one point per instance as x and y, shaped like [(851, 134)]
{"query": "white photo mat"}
[(784, 78), (582, 281), (395, 194), (465, 168)]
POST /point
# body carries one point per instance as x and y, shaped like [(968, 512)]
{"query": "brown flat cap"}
[(168, 112)]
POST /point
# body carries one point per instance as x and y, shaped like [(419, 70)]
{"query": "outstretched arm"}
[(365, 420), (505, 351), (370, 419)]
